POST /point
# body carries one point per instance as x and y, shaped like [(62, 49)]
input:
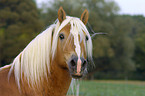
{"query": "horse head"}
[(74, 45)]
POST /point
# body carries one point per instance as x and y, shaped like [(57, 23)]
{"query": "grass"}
[(112, 88)]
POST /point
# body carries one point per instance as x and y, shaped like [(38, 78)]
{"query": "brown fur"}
[(57, 83), (8, 88)]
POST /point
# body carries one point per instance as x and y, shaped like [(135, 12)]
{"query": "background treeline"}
[(117, 55)]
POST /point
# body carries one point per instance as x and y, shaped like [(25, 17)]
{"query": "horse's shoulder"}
[(7, 86)]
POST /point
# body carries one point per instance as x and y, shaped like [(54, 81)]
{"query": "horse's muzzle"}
[(77, 66)]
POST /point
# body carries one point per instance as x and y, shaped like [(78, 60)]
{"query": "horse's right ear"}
[(85, 16), (61, 15)]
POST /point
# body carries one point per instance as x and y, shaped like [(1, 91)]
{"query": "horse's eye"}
[(61, 36), (87, 38)]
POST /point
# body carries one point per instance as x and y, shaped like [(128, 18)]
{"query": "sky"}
[(132, 7)]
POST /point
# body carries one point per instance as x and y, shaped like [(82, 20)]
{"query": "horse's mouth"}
[(77, 76), (76, 66)]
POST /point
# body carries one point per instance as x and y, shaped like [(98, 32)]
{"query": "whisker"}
[(100, 33)]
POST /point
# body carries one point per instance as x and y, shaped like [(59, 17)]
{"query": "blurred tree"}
[(119, 59), (123, 45), (139, 37), (19, 23)]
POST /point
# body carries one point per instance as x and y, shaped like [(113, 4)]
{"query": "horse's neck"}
[(58, 82)]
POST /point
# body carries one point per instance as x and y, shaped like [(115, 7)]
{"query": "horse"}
[(48, 63)]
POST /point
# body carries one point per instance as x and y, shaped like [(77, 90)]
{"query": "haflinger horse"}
[(49, 62)]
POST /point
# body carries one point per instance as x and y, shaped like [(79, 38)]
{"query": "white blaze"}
[(75, 32)]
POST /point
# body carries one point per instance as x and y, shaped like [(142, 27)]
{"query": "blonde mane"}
[(34, 61)]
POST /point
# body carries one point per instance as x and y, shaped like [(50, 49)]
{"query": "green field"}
[(112, 88)]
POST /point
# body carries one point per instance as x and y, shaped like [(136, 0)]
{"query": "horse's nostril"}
[(84, 63), (73, 62)]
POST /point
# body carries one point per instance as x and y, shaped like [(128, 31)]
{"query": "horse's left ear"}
[(85, 16), (61, 15)]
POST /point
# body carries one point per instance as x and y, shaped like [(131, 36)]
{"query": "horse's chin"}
[(75, 76)]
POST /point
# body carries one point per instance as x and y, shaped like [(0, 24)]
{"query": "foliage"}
[(19, 23), (139, 38)]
